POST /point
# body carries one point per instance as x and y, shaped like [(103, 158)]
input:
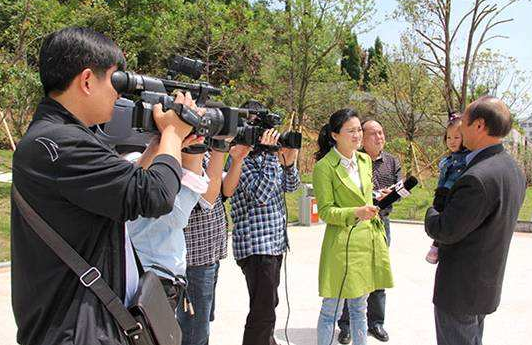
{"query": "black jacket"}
[(86, 192), (474, 231)]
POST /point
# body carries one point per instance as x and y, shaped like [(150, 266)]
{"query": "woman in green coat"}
[(354, 256)]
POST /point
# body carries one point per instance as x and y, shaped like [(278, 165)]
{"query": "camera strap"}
[(88, 275)]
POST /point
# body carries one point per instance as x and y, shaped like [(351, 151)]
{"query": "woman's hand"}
[(366, 212)]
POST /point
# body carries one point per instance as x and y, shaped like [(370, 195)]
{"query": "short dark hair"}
[(495, 114), (66, 53)]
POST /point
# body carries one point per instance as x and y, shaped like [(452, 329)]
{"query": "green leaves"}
[(287, 57)]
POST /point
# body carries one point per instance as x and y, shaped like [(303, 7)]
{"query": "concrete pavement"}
[(409, 318)]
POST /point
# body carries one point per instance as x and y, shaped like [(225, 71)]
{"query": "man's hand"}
[(270, 137), (383, 193), (366, 212), (193, 139), (168, 120), (287, 156), (147, 156), (239, 152)]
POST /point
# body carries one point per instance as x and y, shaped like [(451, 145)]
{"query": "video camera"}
[(259, 120), (133, 118)]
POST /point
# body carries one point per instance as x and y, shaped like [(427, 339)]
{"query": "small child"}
[(451, 168)]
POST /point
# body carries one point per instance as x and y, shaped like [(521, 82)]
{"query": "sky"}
[(518, 45)]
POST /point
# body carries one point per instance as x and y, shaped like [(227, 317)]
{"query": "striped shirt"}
[(386, 172)]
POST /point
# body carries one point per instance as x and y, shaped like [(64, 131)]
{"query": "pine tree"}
[(351, 59), (375, 68), (367, 69), (380, 60)]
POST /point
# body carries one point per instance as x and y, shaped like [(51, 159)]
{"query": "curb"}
[(522, 225), (5, 264), (405, 221)]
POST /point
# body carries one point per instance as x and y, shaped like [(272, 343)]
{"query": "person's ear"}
[(85, 81), (334, 136), (481, 124)]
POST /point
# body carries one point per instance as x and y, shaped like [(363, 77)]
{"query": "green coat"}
[(368, 258)]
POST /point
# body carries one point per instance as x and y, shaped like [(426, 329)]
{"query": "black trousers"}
[(376, 299), (263, 273), (458, 329)]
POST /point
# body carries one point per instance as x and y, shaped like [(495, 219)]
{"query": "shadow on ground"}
[(299, 336)]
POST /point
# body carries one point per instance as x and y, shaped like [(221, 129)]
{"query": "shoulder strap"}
[(89, 276)]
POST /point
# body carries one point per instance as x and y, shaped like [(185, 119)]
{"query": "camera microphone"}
[(400, 190)]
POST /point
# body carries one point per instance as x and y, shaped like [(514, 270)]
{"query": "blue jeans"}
[(201, 288), (357, 315)]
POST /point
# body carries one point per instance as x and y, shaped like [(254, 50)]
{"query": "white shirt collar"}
[(347, 162)]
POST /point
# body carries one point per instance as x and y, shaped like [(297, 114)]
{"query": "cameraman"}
[(259, 234), (206, 243), (84, 191)]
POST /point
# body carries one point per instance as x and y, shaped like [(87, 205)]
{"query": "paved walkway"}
[(409, 309)]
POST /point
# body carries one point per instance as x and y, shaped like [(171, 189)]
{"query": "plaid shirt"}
[(206, 232), (258, 206), (386, 172)]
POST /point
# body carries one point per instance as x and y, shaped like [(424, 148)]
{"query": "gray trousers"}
[(458, 329)]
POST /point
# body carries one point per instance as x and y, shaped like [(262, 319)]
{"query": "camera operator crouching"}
[(259, 234), (85, 192)]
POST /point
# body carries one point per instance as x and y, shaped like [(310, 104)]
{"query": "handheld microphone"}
[(400, 190)]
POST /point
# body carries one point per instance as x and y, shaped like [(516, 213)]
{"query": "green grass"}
[(526, 210), (6, 157), (414, 207), (5, 209)]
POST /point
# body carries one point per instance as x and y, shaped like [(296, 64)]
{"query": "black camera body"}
[(133, 117), (217, 122), (132, 124), (249, 132)]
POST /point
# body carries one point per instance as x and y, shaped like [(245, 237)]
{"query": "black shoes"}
[(344, 337), (378, 332)]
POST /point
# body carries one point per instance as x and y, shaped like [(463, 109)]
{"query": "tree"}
[(314, 32), (409, 103), (375, 70), (432, 21), (351, 58), (498, 75)]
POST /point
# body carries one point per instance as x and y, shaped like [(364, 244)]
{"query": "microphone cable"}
[(287, 300), (343, 280), (286, 261)]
